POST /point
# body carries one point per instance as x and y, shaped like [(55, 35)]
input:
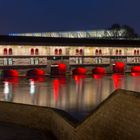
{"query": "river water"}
[(77, 95)]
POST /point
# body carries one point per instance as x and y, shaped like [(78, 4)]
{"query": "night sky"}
[(20, 16)]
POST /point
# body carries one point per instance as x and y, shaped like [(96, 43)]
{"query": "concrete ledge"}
[(118, 117), (9, 131), (42, 118)]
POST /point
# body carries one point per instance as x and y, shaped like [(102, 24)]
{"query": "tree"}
[(115, 29), (124, 31), (129, 32), (115, 26)]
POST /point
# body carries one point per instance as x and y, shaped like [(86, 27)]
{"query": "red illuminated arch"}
[(35, 72), (10, 51), (56, 51), (60, 51), (5, 51), (10, 73), (119, 67), (79, 71), (32, 51), (99, 70), (62, 68), (36, 51)]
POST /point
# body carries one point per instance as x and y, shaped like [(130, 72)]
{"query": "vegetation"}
[(124, 31)]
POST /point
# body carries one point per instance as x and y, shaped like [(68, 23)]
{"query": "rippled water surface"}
[(77, 95)]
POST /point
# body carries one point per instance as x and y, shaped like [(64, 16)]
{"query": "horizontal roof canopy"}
[(22, 40)]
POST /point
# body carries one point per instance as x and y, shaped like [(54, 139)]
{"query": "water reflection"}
[(118, 80), (6, 91), (77, 95), (10, 85), (37, 79), (32, 87), (56, 85), (34, 91), (8, 88), (79, 80)]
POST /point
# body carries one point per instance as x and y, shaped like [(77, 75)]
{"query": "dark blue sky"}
[(66, 15)]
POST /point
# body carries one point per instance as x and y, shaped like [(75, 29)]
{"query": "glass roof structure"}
[(72, 34)]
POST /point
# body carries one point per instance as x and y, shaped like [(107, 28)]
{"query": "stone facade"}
[(21, 55)]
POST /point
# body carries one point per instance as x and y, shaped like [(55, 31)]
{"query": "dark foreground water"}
[(76, 95)]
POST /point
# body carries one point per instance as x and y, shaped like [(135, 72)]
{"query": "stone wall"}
[(41, 118), (116, 118)]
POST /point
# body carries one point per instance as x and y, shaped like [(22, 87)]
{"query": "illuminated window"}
[(32, 61), (100, 51), (36, 51), (96, 52), (60, 51), (117, 52), (32, 51), (120, 52), (135, 52), (81, 51), (5, 61), (10, 51), (5, 51), (36, 61), (77, 51), (56, 51), (80, 60), (10, 61)]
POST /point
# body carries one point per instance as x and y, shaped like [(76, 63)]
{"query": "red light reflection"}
[(56, 85), (79, 81), (98, 76), (13, 80), (135, 74), (78, 77), (117, 79), (135, 71), (62, 80), (37, 79), (36, 72)]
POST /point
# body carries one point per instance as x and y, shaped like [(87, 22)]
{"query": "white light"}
[(32, 87), (6, 87), (6, 90)]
